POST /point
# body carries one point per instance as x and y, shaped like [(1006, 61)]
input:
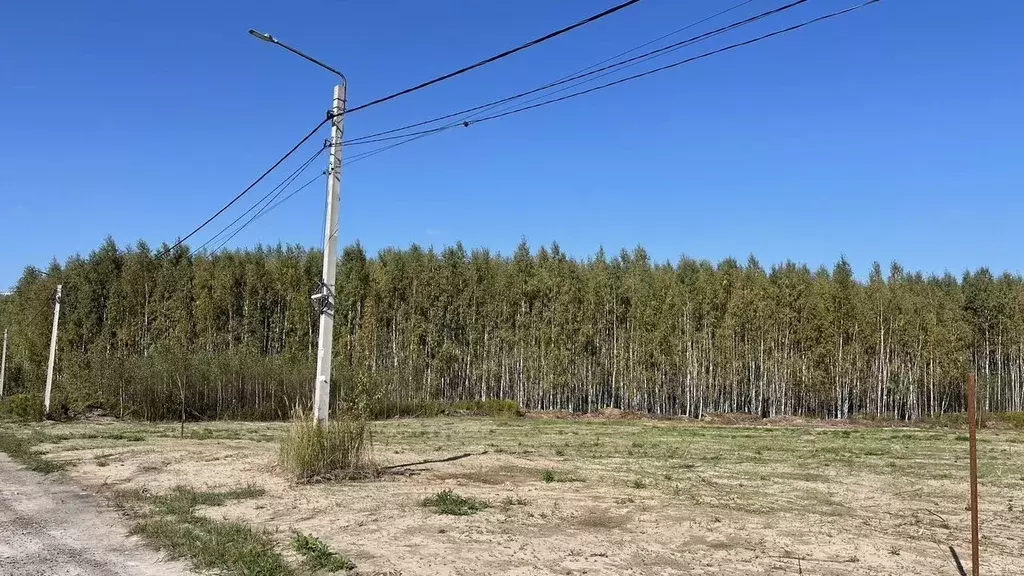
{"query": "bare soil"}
[(646, 497), (55, 529)]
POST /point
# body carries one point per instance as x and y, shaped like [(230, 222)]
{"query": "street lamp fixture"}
[(269, 38)]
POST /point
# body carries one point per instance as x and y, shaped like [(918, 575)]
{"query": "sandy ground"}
[(651, 498), (52, 529)]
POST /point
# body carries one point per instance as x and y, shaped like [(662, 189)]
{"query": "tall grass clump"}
[(312, 452)]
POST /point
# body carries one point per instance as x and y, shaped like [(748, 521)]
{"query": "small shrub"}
[(638, 483), (25, 407), (312, 452), (448, 502), (316, 555), (548, 476)]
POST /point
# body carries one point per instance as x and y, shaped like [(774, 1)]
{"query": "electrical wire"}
[(409, 90), (681, 62), (352, 160), (467, 123), (584, 72), (238, 196), (271, 208), (416, 136), (264, 198), (267, 207), (497, 57)]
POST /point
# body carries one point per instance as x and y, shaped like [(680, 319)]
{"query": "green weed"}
[(448, 502), (316, 555)]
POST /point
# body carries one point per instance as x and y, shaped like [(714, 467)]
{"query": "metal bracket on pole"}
[(323, 299)]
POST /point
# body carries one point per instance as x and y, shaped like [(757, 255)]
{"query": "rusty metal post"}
[(972, 399)]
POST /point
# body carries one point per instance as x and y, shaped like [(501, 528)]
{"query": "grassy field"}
[(553, 496)]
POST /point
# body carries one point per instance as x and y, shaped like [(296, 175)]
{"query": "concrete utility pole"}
[(3, 364), (325, 297), (53, 352)]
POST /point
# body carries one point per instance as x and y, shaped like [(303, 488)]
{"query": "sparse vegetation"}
[(20, 449), (317, 556), (510, 501), (549, 476), (170, 523), (450, 503), (709, 482), (311, 452)]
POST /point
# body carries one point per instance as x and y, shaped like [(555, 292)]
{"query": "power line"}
[(681, 62), (246, 190), (467, 123), (284, 183), (416, 136), (496, 57), (267, 207), (582, 73), (420, 86), (352, 160), (294, 192)]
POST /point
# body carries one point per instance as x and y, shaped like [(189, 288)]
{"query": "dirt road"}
[(52, 529)]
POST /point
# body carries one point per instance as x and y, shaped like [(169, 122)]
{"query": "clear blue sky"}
[(890, 133)]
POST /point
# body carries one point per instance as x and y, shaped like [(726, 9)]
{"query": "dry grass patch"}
[(312, 452), (493, 476)]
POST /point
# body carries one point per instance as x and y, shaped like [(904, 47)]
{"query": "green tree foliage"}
[(233, 334)]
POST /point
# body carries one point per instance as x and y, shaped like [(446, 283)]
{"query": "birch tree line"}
[(233, 334)]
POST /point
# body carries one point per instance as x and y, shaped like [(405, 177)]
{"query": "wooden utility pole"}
[(972, 399), (53, 352), (3, 364)]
